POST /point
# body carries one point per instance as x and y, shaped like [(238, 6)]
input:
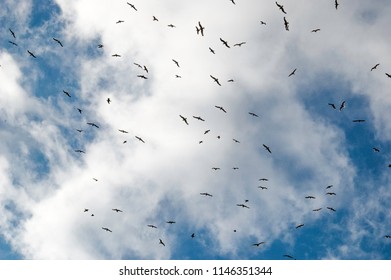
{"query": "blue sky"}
[(45, 185)]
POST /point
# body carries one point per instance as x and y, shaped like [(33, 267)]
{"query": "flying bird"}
[(66, 93), (206, 194), (233, 2), (267, 148), (142, 76), (31, 54), (263, 179), (288, 256), (206, 131), (13, 43), (315, 30), (376, 149), (200, 29), (117, 210), (152, 226), (239, 44), (79, 130), (80, 110), (131, 5), (199, 118), (262, 187), (360, 120), (86, 209), (108, 100), (123, 131), (225, 43), (93, 124), (170, 222), (154, 18), (329, 186), (120, 21), (161, 242), (215, 79), (192, 235), (330, 208), (116, 55), (331, 193), (216, 168), (286, 24), (211, 50), (100, 46), (310, 197), (332, 105), (263, 23), (58, 41), (243, 205), (80, 151), (293, 72), (176, 62), (299, 226), (336, 4), (388, 75), (140, 139), (184, 119), (178, 76), (317, 209), (387, 236), (258, 244), (374, 67), (221, 108), (343, 104), (253, 114), (171, 25), (236, 141), (235, 168), (230, 81), (12, 33), (106, 229), (281, 7)]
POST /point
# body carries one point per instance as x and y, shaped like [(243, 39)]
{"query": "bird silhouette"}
[(236, 141), (225, 43), (66, 93), (161, 242), (332, 105), (108, 100), (12, 32), (93, 124), (281, 7), (192, 235), (263, 23), (330, 208), (299, 226), (13, 43), (286, 24), (123, 131), (376, 149), (343, 104), (242, 205), (221, 109), (292, 73), (106, 229), (262, 187), (374, 67), (253, 114), (358, 121), (289, 256), (267, 148), (80, 151), (152, 226), (215, 79), (211, 50), (119, 21), (207, 131), (263, 179), (154, 18), (317, 209), (331, 193), (142, 76), (116, 55), (31, 54), (58, 41), (206, 194), (140, 139), (171, 25), (336, 4), (184, 119), (329, 186), (170, 222), (216, 168), (310, 197), (176, 62), (258, 244), (388, 75), (116, 210), (239, 44), (200, 29), (198, 118), (315, 30), (131, 5)]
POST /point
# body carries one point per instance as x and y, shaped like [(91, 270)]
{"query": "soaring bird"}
[(152, 226), (310, 197), (233, 2), (315, 30), (286, 24), (80, 151), (178, 76), (86, 209), (93, 124), (263, 179), (293, 72), (288, 256), (235, 168), (343, 104), (170, 222), (96, 180), (388, 75), (100, 46), (184, 119), (376, 149), (140, 139), (123, 131), (108, 100), (387, 236), (329, 186), (13, 43), (221, 108), (161, 242), (225, 43), (138, 65), (281, 7), (216, 168), (119, 21), (116, 55), (262, 187), (31, 54), (263, 23), (239, 44), (106, 229), (374, 67), (258, 244), (317, 209), (154, 18), (80, 110), (198, 118), (330, 208), (116, 210), (192, 235), (253, 114), (206, 131), (200, 29), (176, 62), (206, 194), (215, 79), (332, 105), (359, 120), (171, 25), (331, 193), (299, 226), (242, 205), (12, 33), (142, 76), (267, 148), (236, 141), (131, 5), (66, 93), (230, 81), (336, 4), (58, 41), (79, 130)]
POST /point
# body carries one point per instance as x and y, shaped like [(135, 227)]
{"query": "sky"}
[(118, 127)]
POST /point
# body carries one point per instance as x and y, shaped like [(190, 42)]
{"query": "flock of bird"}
[(200, 30)]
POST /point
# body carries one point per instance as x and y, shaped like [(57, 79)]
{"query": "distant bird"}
[(106, 229), (123, 131), (253, 114), (140, 139), (281, 7), (263, 179), (262, 187), (225, 43), (332, 105), (330, 208), (31, 54), (206, 194), (161, 242), (359, 120), (142, 76), (184, 119), (293, 72), (288, 256), (80, 151), (58, 41), (80, 110), (93, 124), (145, 68), (178, 76), (192, 235), (388, 75), (236, 141), (117, 210), (206, 131), (171, 25), (310, 197), (374, 67), (100, 46), (12, 33), (299, 226), (200, 29), (66, 93), (216, 168), (86, 209), (235, 168), (243, 205), (315, 30), (230, 81), (221, 108), (131, 5), (211, 50), (176, 62), (170, 222), (263, 23), (138, 65), (154, 18), (119, 21), (259, 243), (215, 79), (267, 148), (317, 209), (239, 44), (376, 149), (387, 236), (331, 193), (233, 2), (199, 118), (343, 104), (96, 180), (336, 4), (116, 55), (329, 186), (152, 226), (108, 100), (286, 24), (13, 43), (79, 130)]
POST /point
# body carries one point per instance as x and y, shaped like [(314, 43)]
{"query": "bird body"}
[(215, 79), (58, 41), (267, 148), (106, 229), (31, 54), (140, 139), (281, 7), (286, 24), (221, 109), (184, 119), (225, 43), (206, 194)]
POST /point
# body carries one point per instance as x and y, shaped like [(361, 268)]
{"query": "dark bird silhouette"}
[(259, 243), (184, 119), (330, 208), (235, 168), (120, 21), (116, 210), (200, 29), (376, 149), (332, 105), (233, 2), (31, 54), (216, 168), (236, 141), (93, 124), (293, 72), (140, 139), (286, 24), (12, 33), (192, 235), (171, 25), (80, 110), (388, 75), (211, 50), (253, 114), (86, 209), (336, 4), (145, 68), (262, 187), (106, 229), (66, 93), (387, 236), (288, 256), (263, 23), (170, 222), (138, 65), (317, 209), (199, 118), (310, 197), (131, 5), (221, 108), (58, 41), (79, 130), (177, 76), (215, 79), (176, 62), (206, 194), (299, 226), (360, 120), (152, 226), (108, 100), (100, 46), (116, 55), (315, 30), (267, 148), (123, 131), (13, 43), (329, 186), (281, 7), (331, 193), (239, 44), (96, 180), (142, 76), (80, 151), (374, 67), (242, 205), (343, 104), (154, 18), (230, 81), (263, 179), (206, 131), (161, 242), (225, 43)]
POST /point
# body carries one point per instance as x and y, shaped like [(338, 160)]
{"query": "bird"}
[(253, 114), (200, 29), (286, 24), (263, 179), (299, 226), (267, 148), (242, 205), (331, 193), (31, 54), (138, 65), (310, 197), (215, 79), (221, 108), (170, 222), (376, 149), (12, 33), (359, 120), (263, 23), (387, 236), (235, 168), (206, 131), (176, 62), (123, 131), (161, 242), (108, 100), (142, 76), (374, 67), (13, 43), (119, 21), (233, 2), (79, 130), (388, 75), (154, 18), (96, 180), (192, 235), (216, 168), (332, 105), (86, 209), (93, 124), (281, 7), (225, 43), (330, 208), (288, 256), (80, 151), (206, 194), (293, 72), (230, 81), (336, 4), (262, 187), (100, 46), (236, 141), (211, 50), (131, 5), (171, 25), (116, 55), (317, 209), (178, 76), (116, 210), (80, 110), (152, 226), (58, 41), (315, 30), (106, 229), (66, 93), (140, 139), (329, 186), (259, 243), (184, 119), (343, 104), (198, 118), (239, 44)]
